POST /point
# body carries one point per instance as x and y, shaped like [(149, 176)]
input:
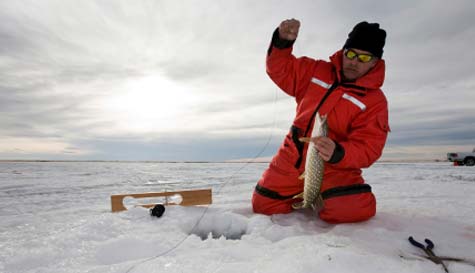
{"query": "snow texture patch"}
[(124, 249), (228, 225), (29, 260)]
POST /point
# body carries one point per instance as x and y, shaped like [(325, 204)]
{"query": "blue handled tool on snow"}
[(428, 249)]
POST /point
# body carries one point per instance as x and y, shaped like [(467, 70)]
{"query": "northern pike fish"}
[(313, 174)]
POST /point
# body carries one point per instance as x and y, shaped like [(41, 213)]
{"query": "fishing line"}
[(253, 159)]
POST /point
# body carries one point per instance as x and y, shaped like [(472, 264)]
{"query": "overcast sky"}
[(185, 80)]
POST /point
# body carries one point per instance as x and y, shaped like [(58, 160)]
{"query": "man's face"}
[(355, 68)]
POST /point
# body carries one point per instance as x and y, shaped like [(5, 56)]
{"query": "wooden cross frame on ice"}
[(188, 198)]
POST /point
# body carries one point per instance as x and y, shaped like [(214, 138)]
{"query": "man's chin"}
[(350, 75)]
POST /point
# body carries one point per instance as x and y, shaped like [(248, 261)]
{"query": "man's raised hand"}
[(289, 29)]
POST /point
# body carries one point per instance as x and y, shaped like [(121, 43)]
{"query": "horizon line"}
[(194, 161)]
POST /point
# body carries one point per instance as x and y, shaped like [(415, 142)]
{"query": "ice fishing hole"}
[(217, 225)]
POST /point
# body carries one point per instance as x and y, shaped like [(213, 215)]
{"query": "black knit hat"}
[(368, 37)]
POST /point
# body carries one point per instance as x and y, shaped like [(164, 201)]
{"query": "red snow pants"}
[(345, 203)]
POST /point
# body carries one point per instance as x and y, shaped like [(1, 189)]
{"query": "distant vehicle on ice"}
[(462, 158)]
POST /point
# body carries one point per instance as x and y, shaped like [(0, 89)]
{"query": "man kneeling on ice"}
[(344, 97)]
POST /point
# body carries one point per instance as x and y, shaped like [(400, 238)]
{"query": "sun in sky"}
[(150, 103)]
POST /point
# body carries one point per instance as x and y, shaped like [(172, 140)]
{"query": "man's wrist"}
[(281, 43), (338, 154)]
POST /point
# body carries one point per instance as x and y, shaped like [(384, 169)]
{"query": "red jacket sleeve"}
[(291, 74)]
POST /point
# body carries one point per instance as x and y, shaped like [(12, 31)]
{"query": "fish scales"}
[(314, 167)]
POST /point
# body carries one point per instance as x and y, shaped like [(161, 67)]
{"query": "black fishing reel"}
[(157, 210)]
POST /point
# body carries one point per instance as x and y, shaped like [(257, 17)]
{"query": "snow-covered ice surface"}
[(55, 217)]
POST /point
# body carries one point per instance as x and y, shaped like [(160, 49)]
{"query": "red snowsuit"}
[(357, 116)]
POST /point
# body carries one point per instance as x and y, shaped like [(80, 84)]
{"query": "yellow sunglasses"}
[(364, 58)]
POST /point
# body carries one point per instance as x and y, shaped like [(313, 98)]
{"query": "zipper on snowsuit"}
[(296, 132)]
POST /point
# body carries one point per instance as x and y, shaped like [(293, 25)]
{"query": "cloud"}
[(62, 64)]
